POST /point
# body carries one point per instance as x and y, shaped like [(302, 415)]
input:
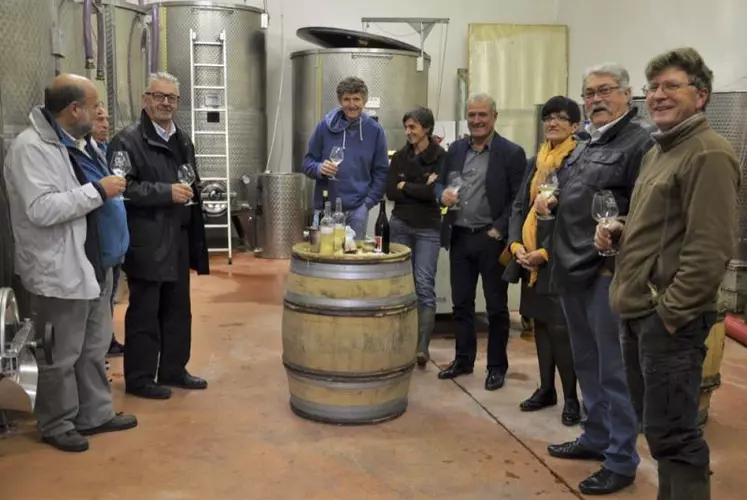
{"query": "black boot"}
[(426, 322)]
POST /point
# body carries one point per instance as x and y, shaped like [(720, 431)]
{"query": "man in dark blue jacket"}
[(488, 170), (360, 179)]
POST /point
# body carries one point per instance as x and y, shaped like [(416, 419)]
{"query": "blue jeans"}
[(611, 427), (425, 245)]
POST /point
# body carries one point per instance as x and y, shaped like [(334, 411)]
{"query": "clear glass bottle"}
[(326, 228), (338, 221)]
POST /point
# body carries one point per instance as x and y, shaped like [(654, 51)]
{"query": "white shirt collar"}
[(597, 133), (165, 135)]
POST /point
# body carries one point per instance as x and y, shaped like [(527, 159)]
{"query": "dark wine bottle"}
[(381, 231)]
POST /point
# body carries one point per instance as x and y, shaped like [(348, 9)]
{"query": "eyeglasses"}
[(557, 118), (603, 91), (159, 96), (667, 87)]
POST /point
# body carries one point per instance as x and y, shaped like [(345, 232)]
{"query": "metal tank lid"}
[(124, 4), (208, 4), (337, 38)]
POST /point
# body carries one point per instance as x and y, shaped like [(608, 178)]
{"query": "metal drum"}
[(283, 213), (122, 73), (246, 77), (396, 83), (350, 329)]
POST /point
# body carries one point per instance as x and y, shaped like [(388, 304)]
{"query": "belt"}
[(473, 230)]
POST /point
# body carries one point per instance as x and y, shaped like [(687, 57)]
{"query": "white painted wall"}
[(627, 32)]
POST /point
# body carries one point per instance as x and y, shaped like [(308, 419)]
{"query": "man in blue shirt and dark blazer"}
[(488, 170)]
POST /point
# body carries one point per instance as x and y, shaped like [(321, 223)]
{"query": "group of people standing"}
[(76, 225), (621, 300)]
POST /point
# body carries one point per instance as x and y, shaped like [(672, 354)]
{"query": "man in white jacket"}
[(58, 258)]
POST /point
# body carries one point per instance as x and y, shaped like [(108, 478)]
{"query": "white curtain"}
[(520, 66)]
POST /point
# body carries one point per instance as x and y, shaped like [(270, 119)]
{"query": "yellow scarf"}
[(549, 159)]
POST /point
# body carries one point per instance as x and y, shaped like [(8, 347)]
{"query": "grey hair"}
[(482, 97), (162, 76), (616, 71)]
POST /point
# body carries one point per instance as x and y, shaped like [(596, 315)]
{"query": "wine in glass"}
[(336, 156), (186, 175), (605, 212), (454, 185), (120, 166), (547, 188)]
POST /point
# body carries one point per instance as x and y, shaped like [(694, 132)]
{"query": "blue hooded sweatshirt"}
[(361, 177)]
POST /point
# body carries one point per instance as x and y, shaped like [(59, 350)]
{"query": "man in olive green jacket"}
[(674, 249)]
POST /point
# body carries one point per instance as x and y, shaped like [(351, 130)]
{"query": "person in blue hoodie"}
[(360, 179)]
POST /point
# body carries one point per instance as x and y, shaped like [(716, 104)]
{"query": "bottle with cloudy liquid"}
[(326, 228), (338, 222)]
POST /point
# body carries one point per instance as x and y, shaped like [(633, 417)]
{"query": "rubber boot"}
[(426, 322)]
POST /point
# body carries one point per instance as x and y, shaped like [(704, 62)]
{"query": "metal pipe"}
[(87, 40), (155, 59), (101, 41)]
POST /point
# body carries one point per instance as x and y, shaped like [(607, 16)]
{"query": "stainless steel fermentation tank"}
[(26, 67), (119, 62), (396, 76), (283, 218), (246, 77)]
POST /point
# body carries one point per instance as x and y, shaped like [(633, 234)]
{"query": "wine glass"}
[(547, 188), (336, 156), (186, 175), (120, 166), (455, 183), (604, 210)]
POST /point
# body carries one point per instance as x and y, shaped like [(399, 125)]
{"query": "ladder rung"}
[(214, 179), (217, 249), (220, 110), (210, 132), (209, 87), (216, 226), (210, 156), (208, 43), (209, 65)]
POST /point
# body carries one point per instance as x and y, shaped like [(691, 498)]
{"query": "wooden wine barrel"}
[(711, 379), (350, 331)]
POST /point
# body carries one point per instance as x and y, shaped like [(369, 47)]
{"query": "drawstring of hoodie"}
[(360, 132)]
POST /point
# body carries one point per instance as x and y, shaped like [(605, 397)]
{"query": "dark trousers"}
[(664, 374), (554, 349), (474, 254), (158, 321), (611, 426)]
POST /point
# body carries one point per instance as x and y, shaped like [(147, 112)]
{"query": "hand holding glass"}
[(120, 166), (547, 188), (605, 212), (186, 175), (336, 156), (455, 183)]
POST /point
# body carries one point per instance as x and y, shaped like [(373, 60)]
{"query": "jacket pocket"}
[(602, 169)]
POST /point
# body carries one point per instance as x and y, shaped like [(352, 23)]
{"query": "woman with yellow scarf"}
[(529, 238)]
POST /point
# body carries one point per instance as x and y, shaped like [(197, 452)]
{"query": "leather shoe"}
[(495, 379), (185, 381), (455, 369), (150, 391), (540, 399), (571, 413), (604, 482), (573, 451), (70, 441), (120, 422)]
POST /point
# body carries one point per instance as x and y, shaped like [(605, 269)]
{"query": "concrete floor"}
[(239, 439)]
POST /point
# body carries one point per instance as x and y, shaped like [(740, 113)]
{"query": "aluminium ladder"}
[(221, 108)]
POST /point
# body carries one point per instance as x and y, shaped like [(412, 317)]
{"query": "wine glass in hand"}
[(186, 175), (454, 185), (605, 212), (547, 188), (120, 166), (336, 156)]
